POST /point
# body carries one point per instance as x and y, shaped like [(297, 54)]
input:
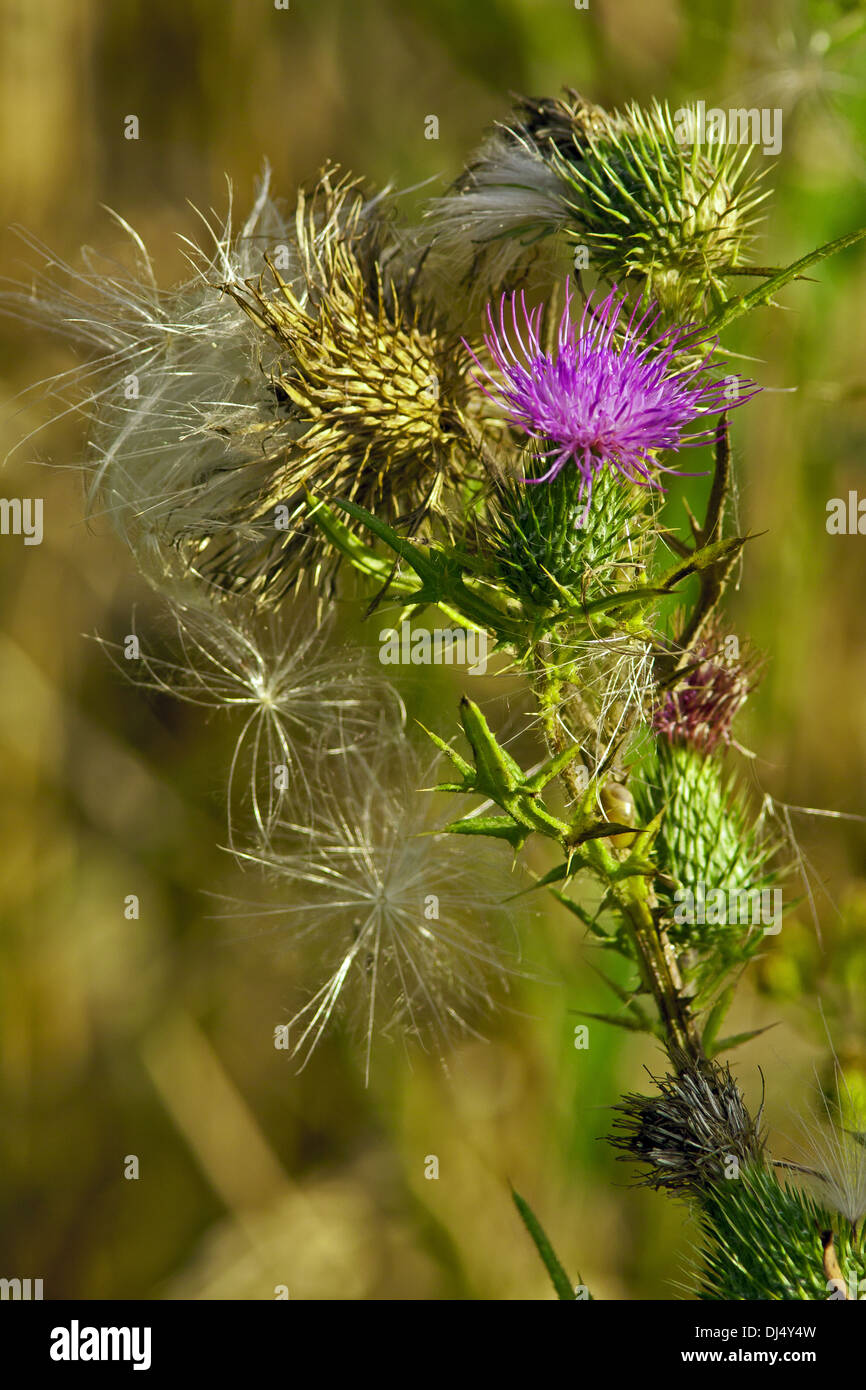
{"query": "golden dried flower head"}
[(303, 356), (374, 391)]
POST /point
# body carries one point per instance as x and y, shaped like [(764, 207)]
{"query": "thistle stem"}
[(656, 959)]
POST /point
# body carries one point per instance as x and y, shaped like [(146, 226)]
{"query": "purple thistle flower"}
[(600, 400), (701, 710)]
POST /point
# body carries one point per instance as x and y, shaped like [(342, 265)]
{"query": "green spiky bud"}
[(709, 839), (648, 194), (766, 1240), (545, 542), (654, 198)]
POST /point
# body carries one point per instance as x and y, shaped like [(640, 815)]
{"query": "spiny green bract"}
[(675, 213), (708, 836), (540, 549), (763, 1241)]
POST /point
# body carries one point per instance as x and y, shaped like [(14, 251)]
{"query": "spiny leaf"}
[(632, 1025), (716, 1017), (460, 763), (737, 1040), (442, 576), (493, 763), (625, 996), (500, 779), (734, 308), (579, 912), (719, 552), (552, 768), (362, 556), (499, 827)]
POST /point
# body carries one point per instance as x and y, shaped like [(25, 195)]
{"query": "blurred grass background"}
[(154, 1037)]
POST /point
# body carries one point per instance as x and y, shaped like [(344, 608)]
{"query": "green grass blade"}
[(558, 1276)]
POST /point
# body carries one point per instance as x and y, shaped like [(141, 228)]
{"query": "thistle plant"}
[(330, 413), (649, 197)]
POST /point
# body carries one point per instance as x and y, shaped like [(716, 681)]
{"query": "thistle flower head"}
[(687, 1133), (297, 359), (763, 1240), (542, 552), (699, 711), (709, 837), (655, 197), (645, 194), (601, 398), (367, 380)]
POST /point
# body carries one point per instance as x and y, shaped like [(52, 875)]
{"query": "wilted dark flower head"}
[(603, 397), (700, 711), (687, 1134)]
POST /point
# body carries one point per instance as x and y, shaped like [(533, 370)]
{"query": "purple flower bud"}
[(701, 709)]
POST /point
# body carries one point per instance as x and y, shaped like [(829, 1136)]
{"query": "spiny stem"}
[(656, 959), (714, 578)]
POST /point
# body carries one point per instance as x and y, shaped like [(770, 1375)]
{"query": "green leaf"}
[(494, 766), (362, 556), (737, 1040), (555, 875), (734, 308), (552, 768), (628, 997), (624, 598), (716, 1017), (498, 778), (558, 1276), (442, 577), (460, 763), (499, 827), (579, 912), (417, 556), (632, 1025), (718, 553)]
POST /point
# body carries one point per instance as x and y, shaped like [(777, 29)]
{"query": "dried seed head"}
[(297, 697), (369, 384), (211, 422), (687, 1135), (400, 921)]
